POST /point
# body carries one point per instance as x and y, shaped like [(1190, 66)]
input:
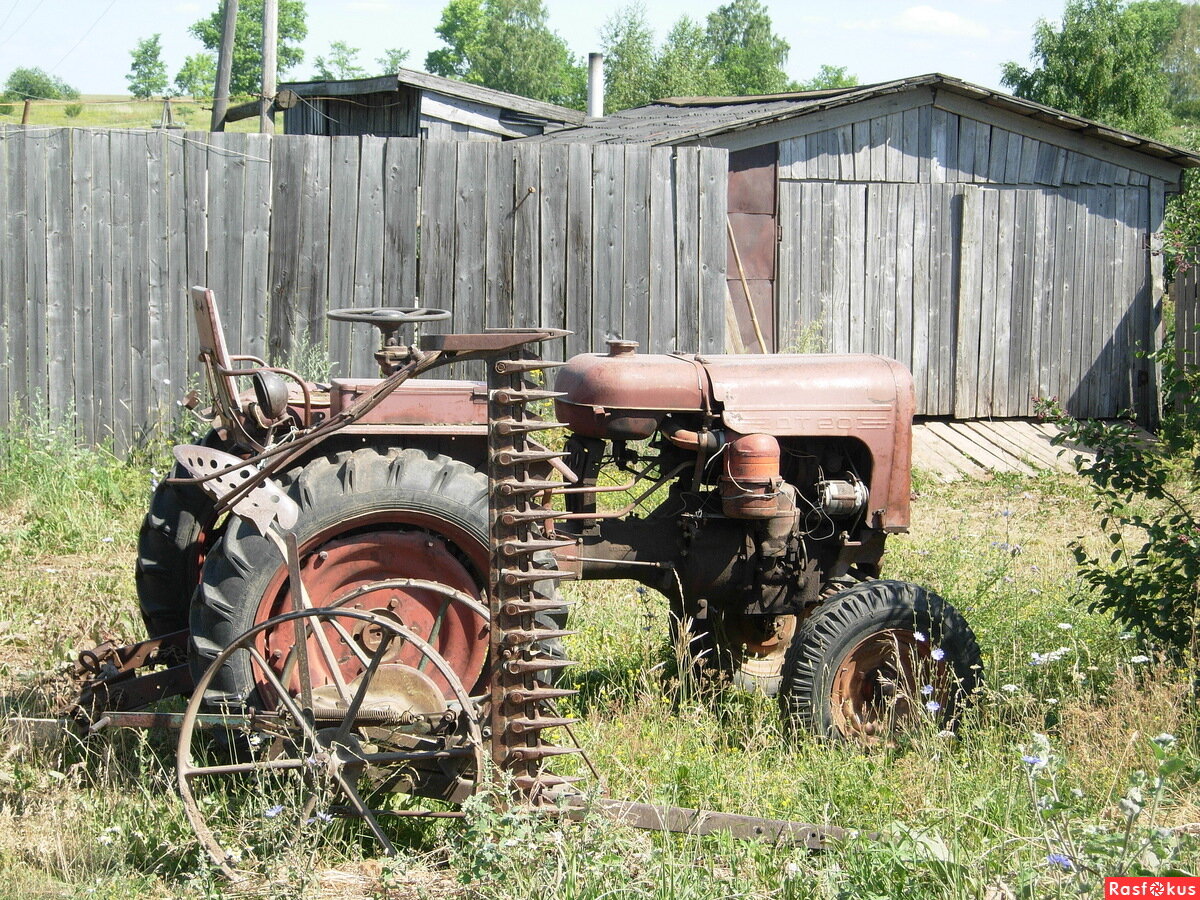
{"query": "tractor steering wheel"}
[(389, 318)]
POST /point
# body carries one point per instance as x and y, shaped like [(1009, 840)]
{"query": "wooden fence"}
[(1185, 293), (103, 231)]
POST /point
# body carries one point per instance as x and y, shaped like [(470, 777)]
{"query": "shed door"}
[(1053, 300), (753, 233)]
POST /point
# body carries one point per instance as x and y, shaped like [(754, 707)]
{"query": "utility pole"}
[(224, 66), (266, 115)]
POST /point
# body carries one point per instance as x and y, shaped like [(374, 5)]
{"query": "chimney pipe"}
[(595, 97)]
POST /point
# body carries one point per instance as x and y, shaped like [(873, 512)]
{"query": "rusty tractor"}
[(365, 573)]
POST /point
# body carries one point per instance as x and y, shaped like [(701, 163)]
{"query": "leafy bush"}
[(6, 109), (72, 110), (1148, 496)]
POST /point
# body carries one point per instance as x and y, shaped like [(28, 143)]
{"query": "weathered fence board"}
[(103, 232)]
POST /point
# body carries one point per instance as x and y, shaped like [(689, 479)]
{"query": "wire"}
[(17, 30), (11, 10), (85, 34)]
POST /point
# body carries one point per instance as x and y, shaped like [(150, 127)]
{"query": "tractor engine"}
[(768, 478)]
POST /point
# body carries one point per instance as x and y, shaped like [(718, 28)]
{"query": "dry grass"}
[(70, 817)]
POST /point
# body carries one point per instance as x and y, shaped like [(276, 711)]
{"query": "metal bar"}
[(682, 820)]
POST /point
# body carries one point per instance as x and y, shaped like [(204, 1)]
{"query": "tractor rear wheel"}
[(175, 536), (366, 516), (877, 658)]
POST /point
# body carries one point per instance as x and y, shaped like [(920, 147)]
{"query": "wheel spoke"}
[(267, 765), (364, 811), (284, 697), (363, 686)]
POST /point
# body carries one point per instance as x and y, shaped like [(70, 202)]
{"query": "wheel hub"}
[(883, 680), (331, 569)]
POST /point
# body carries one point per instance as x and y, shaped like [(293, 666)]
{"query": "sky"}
[(87, 42)]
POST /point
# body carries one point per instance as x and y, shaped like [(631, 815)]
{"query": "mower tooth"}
[(516, 636), (531, 783), (524, 457), (538, 694), (512, 426), (513, 397), (524, 725), (541, 663), (525, 754), (517, 366), (524, 548), (508, 488), (528, 607), (517, 516), (531, 576)]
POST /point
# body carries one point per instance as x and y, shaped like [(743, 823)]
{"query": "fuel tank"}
[(624, 395)]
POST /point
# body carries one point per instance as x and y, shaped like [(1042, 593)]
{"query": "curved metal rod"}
[(186, 770)]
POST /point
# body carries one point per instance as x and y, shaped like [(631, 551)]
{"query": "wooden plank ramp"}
[(953, 449)]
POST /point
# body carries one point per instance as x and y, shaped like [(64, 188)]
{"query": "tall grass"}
[(955, 816)]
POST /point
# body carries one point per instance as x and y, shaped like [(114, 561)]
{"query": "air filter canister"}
[(750, 481)]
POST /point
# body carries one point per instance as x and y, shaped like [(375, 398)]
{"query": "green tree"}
[(339, 64), (197, 77), (1104, 62), (686, 66), (1181, 62), (507, 45), (246, 77), (37, 84), (737, 53), (392, 60), (746, 49), (827, 78), (629, 59), (147, 73)]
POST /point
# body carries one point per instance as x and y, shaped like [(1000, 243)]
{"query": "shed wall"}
[(997, 266)]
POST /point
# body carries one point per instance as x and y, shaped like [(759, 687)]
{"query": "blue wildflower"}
[(933, 706), (938, 654), (1063, 862)]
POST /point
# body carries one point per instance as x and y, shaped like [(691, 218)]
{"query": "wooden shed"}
[(1001, 249), (417, 104)]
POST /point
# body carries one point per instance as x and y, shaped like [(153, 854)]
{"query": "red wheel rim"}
[(333, 565), (885, 681)]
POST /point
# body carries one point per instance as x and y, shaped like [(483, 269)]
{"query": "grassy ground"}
[(961, 817), (111, 111)]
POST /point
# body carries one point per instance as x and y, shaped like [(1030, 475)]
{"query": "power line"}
[(11, 10), (85, 34), (17, 30)]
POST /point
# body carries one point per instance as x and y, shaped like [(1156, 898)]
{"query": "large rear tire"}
[(366, 516), (877, 658), (172, 543)]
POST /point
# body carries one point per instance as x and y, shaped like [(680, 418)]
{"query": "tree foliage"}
[(197, 77), (392, 60), (1147, 496), (147, 72), (36, 84), (746, 49), (828, 78), (1103, 62), (340, 63), (246, 77), (1181, 63), (736, 52), (507, 45)]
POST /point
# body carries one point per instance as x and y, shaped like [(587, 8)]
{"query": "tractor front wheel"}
[(876, 659)]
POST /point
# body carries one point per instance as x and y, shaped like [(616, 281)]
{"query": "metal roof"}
[(690, 120), (450, 87)]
